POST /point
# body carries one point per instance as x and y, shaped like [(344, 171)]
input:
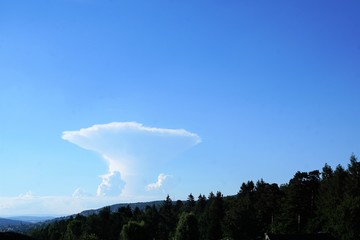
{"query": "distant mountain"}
[(23, 223), (115, 207), (5, 222), (13, 225), (31, 219)]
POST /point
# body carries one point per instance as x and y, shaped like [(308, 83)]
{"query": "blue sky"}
[(270, 87)]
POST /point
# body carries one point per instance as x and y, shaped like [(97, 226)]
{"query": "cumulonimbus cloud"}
[(133, 152)]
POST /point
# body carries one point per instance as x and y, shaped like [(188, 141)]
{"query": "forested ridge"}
[(311, 202)]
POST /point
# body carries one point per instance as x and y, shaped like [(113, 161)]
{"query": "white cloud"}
[(111, 184), (80, 193), (158, 184), (27, 195), (134, 153)]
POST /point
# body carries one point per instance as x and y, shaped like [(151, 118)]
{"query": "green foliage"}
[(326, 201), (187, 227), (240, 219), (299, 205), (215, 215), (133, 231), (190, 203)]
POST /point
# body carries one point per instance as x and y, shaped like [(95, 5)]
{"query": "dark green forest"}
[(311, 202)]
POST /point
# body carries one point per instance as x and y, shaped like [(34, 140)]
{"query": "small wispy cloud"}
[(27, 195), (134, 153), (158, 184), (80, 193)]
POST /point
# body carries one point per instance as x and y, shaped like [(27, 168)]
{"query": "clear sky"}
[(173, 97)]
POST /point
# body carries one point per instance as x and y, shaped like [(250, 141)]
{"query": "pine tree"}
[(187, 227)]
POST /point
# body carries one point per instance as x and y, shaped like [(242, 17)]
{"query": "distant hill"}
[(115, 207), (31, 219), (14, 225), (5, 222), (25, 223)]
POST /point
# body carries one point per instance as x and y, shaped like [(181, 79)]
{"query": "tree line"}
[(311, 202)]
